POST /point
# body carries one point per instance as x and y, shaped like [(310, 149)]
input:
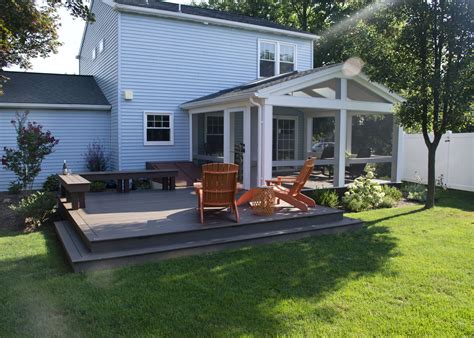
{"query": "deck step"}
[(202, 233), (82, 259)]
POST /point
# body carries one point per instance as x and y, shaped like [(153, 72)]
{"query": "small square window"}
[(101, 46), (158, 128)]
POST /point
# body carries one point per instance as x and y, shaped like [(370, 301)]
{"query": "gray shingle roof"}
[(256, 85), (206, 12), (24, 87)]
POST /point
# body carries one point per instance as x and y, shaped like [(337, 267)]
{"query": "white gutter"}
[(205, 20), (55, 106), (217, 100)]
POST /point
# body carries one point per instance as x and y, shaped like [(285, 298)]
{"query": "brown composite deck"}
[(144, 213), (117, 229)]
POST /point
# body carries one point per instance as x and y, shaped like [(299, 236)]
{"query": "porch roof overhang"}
[(273, 89)]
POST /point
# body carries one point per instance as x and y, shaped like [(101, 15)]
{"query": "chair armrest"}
[(281, 179)]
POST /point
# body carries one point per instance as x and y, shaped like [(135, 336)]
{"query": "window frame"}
[(145, 128), (206, 129), (277, 61)]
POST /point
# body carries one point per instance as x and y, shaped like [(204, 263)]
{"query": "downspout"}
[(259, 147)]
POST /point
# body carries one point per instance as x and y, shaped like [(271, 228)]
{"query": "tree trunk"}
[(430, 195)]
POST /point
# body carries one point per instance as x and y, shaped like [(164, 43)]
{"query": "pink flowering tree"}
[(33, 145)]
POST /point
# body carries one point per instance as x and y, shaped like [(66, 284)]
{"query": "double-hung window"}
[(158, 128), (215, 135), (276, 58)]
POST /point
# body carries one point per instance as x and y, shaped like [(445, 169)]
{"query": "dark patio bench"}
[(73, 188), (168, 177)]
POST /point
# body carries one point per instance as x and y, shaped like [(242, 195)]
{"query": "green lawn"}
[(408, 272)]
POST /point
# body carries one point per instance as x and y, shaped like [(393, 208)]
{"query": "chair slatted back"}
[(303, 177), (219, 183)]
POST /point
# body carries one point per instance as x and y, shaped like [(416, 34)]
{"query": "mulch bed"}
[(8, 220)]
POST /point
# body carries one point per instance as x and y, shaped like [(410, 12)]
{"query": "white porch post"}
[(341, 139), (309, 135), (397, 152), (349, 133), (248, 147), (227, 136), (266, 142)]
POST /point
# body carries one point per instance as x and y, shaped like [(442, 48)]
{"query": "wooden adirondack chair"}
[(218, 187), (293, 195)]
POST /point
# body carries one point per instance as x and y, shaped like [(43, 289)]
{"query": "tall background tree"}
[(28, 29), (422, 49)]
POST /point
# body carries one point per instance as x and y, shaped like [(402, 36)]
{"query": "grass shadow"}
[(261, 290)]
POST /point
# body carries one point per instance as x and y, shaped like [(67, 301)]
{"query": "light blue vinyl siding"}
[(167, 62), (105, 66), (74, 129)]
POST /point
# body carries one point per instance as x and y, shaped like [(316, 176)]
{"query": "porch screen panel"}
[(371, 139), (323, 137)]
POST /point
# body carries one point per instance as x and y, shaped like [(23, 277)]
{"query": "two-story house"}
[(182, 83)]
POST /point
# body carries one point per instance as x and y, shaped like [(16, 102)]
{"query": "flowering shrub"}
[(36, 208), (33, 145), (95, 157), (415, 191), (364, 193)]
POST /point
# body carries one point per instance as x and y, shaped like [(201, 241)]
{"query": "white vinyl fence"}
[(454, 160)]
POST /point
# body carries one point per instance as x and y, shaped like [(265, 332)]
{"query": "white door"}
[(284, 138)]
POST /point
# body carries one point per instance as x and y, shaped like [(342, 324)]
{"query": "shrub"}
[(51, 183), (392, 192), (142, 184), (36, 208), (327, 198), (391, 196), (15, 187), (415, 192), (95, 157), (364, 193), (33, 145), (98, 186)]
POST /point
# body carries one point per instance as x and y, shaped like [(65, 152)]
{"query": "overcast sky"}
[(70, 34)]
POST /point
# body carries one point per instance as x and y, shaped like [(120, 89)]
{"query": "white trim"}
[(340, 148), (119, 94), (277, 44), (191, 136), (208, 106), (94, 54), (266, 142), (309, 133), (305, 81), (56, 106), (145, 128), (206, 20), (316, 102), (226, 136), (247, 135)]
